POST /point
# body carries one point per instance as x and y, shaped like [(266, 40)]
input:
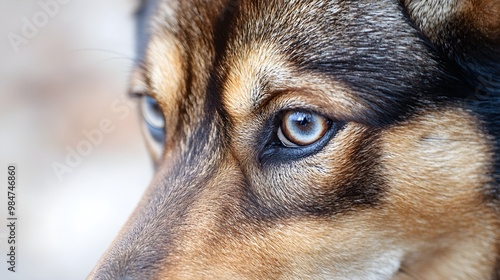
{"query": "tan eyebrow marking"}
[(166, 74), (165, 64), (243, 78), (241, 93), (138, 81)]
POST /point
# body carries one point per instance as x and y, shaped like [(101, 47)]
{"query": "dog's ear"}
[(465, 31), (441, 20)]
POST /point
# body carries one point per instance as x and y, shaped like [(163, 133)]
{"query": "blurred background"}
[(64, 67)]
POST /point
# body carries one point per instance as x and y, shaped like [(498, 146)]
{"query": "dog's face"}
[(318, 139)]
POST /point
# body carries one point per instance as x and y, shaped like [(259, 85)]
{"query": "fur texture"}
[(404, 185)]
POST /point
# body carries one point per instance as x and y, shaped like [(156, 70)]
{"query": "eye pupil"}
[(303, 120)]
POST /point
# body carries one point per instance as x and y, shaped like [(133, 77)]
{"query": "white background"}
[(64, 81)]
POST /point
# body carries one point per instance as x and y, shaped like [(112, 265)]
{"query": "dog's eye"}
[(300, 129), (296, 134), (153, 116)]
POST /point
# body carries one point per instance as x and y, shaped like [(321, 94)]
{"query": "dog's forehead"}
[(345, 41)]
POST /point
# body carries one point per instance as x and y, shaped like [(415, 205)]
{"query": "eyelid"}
[(138, 91), (297, 100), (135, 94), (307, 108)]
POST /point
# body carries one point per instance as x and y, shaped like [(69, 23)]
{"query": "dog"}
[(317, 139)]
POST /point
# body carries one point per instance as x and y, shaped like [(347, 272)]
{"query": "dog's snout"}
[(174, 221)]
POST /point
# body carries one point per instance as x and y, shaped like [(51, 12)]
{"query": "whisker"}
[(100, 50)]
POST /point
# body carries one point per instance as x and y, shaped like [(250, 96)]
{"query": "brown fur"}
[(405, 188)]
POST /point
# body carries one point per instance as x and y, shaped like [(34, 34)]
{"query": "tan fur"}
[(482, 15), (430, 15), (166, 72), (289, 86), (166, 75), (485, 16), (433, 148)]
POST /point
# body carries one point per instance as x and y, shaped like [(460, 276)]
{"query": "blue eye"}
[(301, 128), (153, 116)]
